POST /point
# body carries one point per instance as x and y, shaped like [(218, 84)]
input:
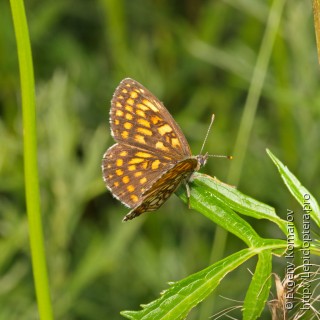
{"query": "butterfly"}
[(151, 157)]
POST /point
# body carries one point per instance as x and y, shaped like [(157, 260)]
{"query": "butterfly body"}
[(151, 157)]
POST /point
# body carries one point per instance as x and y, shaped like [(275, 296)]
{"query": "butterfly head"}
[(202, 160)]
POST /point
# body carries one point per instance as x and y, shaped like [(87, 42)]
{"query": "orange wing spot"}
[(129, 116), (140, 139), (127, 125), (128, 85), (128, 108), (143, 180), (144, 122), (140, 113), (142, 107), (150, 105), (155, 119), (130, 102), (175, 142), (159, 145), (123, 153), (118, 104), (125, 134), (136, 160), (142, 154), (138, 174), (133, 94), (125, 179), (119, 172), (130, 188), (120, 97), (133, 167), (134, 198), (164, 129), (144, 165), (144, 131), (119, 113), (116, 122), (124, 91), (119, 162), (116, 184), (155, 164)]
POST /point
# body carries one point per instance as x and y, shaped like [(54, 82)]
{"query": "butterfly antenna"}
[(206, 137), (205, 140)]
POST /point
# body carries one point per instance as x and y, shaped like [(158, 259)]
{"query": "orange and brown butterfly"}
[(151, 157)]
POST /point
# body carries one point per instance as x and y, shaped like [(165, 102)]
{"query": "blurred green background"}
[(198, 58)]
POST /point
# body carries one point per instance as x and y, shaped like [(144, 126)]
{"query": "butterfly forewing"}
[(139, 119), (151, 157)]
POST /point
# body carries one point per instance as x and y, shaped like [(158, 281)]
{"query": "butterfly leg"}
[(188, 193)]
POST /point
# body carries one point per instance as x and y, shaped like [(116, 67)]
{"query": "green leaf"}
[(259, 288), (177, 301), (234, 198), (203, 200), (209, 194), (303, 196)]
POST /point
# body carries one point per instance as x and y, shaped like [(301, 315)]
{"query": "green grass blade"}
[(255, 89), (30, 160)]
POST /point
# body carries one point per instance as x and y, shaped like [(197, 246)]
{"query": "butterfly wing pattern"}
[(151, 156)]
